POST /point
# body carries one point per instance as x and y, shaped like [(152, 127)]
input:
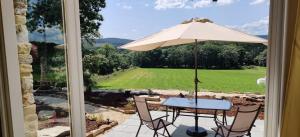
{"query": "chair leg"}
[(216, 134), (138, 130), (164, 131), (155, 133), (167, 131)]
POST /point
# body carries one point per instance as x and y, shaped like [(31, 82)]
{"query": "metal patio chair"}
[(146, 119), (241, 125)]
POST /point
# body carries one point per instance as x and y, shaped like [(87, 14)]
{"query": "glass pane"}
[(41, 40)]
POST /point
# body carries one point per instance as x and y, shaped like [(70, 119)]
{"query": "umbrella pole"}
[(196, 83), (196, 131)]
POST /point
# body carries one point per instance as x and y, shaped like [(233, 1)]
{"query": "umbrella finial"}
[(201, 20)]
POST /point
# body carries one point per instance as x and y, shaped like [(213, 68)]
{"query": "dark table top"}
[(208, 104)]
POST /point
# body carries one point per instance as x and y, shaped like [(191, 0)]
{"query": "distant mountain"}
[(263, 36), (113, 41)]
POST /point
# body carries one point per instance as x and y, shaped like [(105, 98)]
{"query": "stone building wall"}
[(25, 60)]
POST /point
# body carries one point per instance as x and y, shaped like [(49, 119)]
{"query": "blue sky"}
[(134, 19)]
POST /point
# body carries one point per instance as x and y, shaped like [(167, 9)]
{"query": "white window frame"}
[(274, 94)]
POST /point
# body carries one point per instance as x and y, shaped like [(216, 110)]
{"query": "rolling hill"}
[(113, 41)]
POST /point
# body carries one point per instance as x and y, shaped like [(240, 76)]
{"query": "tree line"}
[(211, 55)]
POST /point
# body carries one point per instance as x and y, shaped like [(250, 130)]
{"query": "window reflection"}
[(40, 36)]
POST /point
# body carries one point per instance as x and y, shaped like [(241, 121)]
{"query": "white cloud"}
[(127, 7), (225, 2), (168, 4), (256, 27), (146, 5), (202, 3), (124, 6), (255, 2)]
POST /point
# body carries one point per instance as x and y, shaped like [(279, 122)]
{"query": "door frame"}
[(11, 104), (276, 67), (74, 62)]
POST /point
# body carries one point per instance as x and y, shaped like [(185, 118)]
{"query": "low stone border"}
[(113, 108), (101, 129), (125, 111)]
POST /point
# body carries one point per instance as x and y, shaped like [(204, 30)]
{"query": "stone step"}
[(151, 98)]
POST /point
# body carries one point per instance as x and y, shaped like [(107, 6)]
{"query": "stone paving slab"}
[(130, 127)]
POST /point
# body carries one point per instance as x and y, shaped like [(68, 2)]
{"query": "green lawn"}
[(211, 80)]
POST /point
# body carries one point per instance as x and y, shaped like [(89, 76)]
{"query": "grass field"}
[(240, 81)]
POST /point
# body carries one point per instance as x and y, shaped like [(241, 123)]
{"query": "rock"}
[(106, 127), (97, 131), (28, 110), (25, 59), (26, 84), (25, 68), (28, 99), (22, 35), (20, 28), (236, 96), (129, 111), (20, 19), (57, 131), (32, 117), (251, 99), (46, 114), (21, 10), (20, 5), (29, 133), (21, 1), (114, 123), (151, 98), (24, 48), (31, 125), (89, 134)]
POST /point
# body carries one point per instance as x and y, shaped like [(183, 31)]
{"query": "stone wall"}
[(25, 60)]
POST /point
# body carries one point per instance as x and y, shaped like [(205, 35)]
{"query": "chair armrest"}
[(220, 124), (161, 117)]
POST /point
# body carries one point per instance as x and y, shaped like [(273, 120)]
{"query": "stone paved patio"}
[(130, 127)]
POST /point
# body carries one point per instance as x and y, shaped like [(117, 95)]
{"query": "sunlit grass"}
[(240, 81)]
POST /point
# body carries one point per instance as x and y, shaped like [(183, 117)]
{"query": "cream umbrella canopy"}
[(192, 31), (188, 32)]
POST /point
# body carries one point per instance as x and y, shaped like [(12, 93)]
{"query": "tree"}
[(90, 18), (209, 55), (229, 56), (261, 59), (93, 64), (44, 14)]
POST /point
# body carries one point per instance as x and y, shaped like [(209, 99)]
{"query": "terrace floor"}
[(130, 127)]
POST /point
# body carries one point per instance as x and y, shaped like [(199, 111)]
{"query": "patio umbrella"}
[(192, 31)]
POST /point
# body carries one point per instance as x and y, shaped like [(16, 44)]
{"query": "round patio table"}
[(204, 104)]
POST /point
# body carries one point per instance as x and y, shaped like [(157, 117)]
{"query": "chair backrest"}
[(245, 118), (142, 109)]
